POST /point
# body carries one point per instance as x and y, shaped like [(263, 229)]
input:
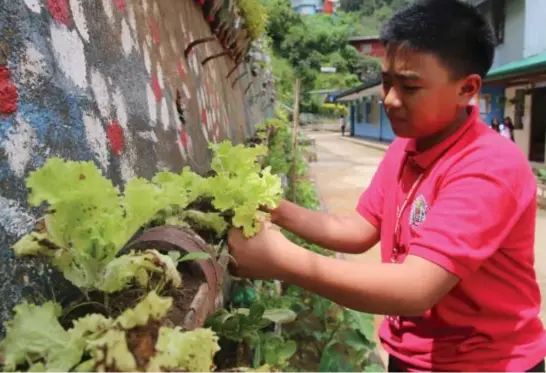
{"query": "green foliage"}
[(246, 326), (328, 337), (35, 337), (255, 17), (240, 186), (89, 221), (333, 110)]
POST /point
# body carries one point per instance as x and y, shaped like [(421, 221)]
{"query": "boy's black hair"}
[(453, 30)]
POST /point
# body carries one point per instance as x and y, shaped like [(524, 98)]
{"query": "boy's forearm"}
[(366, 287), (351, 234)]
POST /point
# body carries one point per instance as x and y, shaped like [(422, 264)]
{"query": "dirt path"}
[(344, 169)]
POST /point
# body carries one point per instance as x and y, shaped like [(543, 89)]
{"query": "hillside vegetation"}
[(301, 44)]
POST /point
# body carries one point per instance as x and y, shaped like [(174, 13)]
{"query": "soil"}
[(118, 302), (232, 355), (141, 342)]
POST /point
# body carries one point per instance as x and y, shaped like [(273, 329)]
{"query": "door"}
[(537, 143)]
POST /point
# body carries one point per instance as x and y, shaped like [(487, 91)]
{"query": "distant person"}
[(452, 205), (507, 128), (343, 124), (495, 124)]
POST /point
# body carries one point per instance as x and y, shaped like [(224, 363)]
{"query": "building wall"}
[(511, 50), (535, 27), (491, 103), (375, 125), (98, 80), (369, 48)]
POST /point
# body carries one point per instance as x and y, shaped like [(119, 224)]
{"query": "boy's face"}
[(420, 96)]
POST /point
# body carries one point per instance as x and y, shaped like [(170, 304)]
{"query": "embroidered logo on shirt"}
[(419, 210)]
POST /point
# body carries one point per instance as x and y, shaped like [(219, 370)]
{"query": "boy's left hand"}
[(259, 257)]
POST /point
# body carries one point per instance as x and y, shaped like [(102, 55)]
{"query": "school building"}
[(514, 87)]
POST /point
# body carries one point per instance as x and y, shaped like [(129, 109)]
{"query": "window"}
[(498, 12)]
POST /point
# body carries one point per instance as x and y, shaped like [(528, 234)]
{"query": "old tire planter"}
[(209, 296)]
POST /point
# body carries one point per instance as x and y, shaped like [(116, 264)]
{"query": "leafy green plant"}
[(245, 326), (89, 221), (135, 341)]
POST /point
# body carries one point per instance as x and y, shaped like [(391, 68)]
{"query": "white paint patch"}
[(69, 53), (131, 16), (145, 6), (174, 45), (108, 9), (186, 90), (100, 91), (96, 138), (127, 161), (32, 65), (148, 135), (79, 18), (165, 118), (18, 145), (156, 11), (147, 60), (152, 105), (14, 219), (121, 108), (160, 77), (34, 5), (126, 39), (162, 52)]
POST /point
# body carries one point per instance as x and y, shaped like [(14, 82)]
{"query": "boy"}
[(452, 203)]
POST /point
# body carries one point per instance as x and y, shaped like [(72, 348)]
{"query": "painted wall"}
[(372, 48), (495, 106), (535, 27), (374, 124), (98, 80)]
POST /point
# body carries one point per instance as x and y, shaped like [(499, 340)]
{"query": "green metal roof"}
[(528, 65)]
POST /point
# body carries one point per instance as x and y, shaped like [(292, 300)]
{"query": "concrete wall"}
[(98, 80)]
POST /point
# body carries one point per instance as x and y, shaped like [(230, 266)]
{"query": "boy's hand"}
[(260, 257)]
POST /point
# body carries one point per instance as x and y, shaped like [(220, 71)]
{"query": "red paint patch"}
[(210, 19), (60, 11), (120, 4), (204, 117), (115, 135), (154, 29), (156, 88), (181, 70), (184, 138), (8, 92)]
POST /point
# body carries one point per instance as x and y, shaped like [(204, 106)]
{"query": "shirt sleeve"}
[(471, 217), (370, 204)]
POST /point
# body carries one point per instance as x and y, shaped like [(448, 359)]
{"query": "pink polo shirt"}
[(473, 213)]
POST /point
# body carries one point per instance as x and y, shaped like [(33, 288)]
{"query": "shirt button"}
[(395, 251), (393, 260)]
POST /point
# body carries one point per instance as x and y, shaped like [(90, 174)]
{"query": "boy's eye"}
[(411, 89)]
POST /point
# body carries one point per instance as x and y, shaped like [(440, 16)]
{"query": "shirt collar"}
[(425, 159)]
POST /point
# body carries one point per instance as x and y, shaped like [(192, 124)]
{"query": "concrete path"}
[(345, 168)]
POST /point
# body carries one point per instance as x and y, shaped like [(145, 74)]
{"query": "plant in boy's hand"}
[(260, 257)]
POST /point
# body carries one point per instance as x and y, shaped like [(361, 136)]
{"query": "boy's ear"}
[(470, 86)]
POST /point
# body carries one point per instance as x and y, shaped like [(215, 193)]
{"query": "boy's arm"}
[(347, 234), (471, 217), (408, 289)]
